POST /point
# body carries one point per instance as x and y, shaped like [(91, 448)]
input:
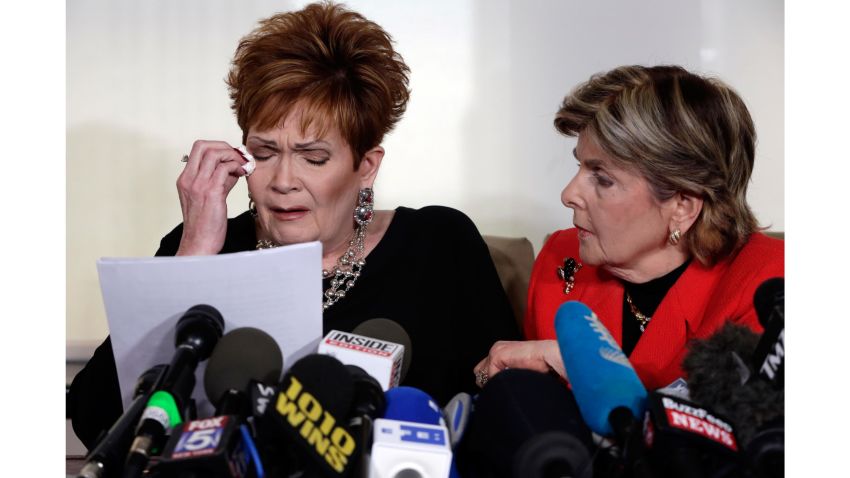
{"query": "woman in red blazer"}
[(665, 248)]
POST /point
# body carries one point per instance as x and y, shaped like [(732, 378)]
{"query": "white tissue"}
[(251, 164)]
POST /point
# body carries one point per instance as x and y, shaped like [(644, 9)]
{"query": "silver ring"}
[(481, 378), (185, 158)]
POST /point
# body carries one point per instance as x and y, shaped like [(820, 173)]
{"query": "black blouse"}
[(431, 273)]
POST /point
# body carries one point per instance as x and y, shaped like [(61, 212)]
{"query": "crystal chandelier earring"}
[(351, 262)]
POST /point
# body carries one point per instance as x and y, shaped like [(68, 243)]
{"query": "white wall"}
[(145, 79)]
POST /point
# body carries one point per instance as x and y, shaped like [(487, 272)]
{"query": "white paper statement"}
[(275, 290)]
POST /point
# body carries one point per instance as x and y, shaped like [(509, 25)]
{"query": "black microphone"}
[(243, 355), (720, 379), (368, 404), (107, 457), (525, 424), (222, 446), (196, 334), (687, 440), (305, 425), (769, 357)]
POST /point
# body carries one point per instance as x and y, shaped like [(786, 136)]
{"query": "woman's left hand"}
[(538, 355)]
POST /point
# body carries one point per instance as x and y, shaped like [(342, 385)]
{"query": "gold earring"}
[(674, 237)]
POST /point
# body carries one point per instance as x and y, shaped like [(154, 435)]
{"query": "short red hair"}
[(339, 65)]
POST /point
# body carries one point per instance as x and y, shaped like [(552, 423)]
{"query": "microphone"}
[(411, 439), (309, 412), (196, 334), (456, 414), (369, 403), (608, 391), (604, 383), (688, 440), (769, 301), (769, 357), (380, 358), (413, 405), (213, 447), (525, 424), (719, 379), (389, 331), (107, 457), (243, 355), (222, 446)]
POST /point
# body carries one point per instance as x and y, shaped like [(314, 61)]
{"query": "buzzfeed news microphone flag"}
[(719, 379), (687, 439), (601, 376)]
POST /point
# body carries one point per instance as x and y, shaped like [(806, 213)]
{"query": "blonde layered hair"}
[(683, 133), (339, 65)]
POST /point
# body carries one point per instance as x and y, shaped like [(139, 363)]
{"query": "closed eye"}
[(263, 153), (317, 162), (315, 156)]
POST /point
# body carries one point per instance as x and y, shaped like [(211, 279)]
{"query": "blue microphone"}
[(604, 383), (411, 438), (610, 396), (410, 404)]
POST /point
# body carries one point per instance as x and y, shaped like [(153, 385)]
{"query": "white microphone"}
[(379, 358), (412, 439), (399, 448)]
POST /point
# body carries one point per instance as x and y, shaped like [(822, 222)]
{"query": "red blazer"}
[(696, 306)]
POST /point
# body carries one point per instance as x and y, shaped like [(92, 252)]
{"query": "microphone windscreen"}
[(327, 379), (524, 422), (409, 404), (201, 325), (369, 397), (242, 355), (388, 331), (715, 380), (306, 424), (601, 375), (768, 296)]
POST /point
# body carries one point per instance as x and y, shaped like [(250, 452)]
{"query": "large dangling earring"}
[(365, 207), (252, 208), (674, 237), (351, 262)]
